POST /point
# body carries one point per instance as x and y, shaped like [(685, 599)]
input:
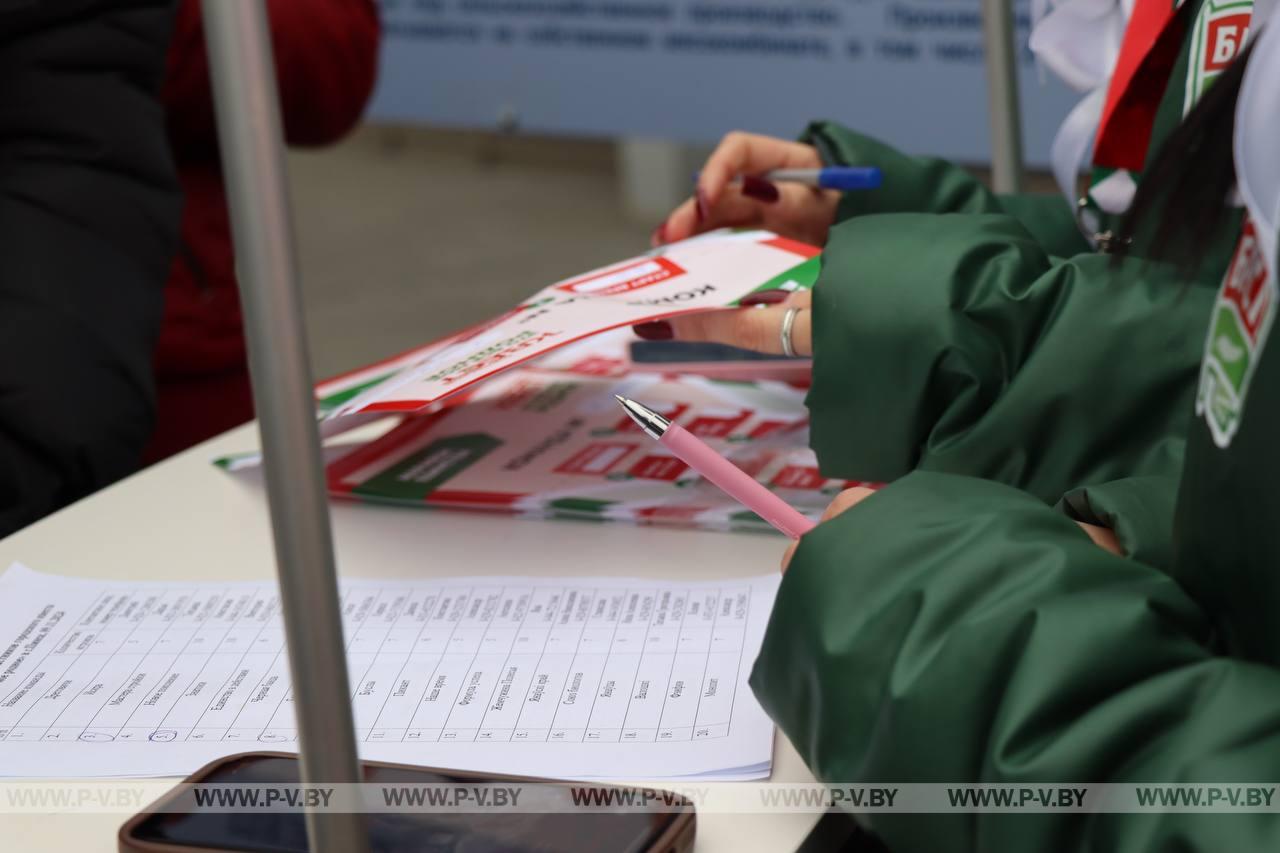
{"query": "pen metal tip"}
[(650, 421)]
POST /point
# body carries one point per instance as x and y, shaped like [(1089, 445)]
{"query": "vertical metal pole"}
[(999, 33), (248, 112)]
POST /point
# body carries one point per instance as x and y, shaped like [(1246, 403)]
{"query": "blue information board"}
[(908, 71)]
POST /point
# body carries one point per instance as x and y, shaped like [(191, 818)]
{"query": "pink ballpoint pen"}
[(729, 477)]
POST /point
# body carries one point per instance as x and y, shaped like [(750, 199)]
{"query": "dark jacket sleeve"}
[(326, 54), (88, 218), (931, 185), (956, 343), (954, 630), (1139, 510)]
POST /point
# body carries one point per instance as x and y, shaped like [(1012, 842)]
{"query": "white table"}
[(187, 519)]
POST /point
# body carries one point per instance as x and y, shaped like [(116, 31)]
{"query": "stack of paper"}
[(710, 271), (518, 414), (550, 441), (547, 443), (573, 677)]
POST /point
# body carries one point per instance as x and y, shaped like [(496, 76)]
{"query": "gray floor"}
[(405, 236)]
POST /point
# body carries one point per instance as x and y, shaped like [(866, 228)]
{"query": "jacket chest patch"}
[(1242, 318), (1217, 35)]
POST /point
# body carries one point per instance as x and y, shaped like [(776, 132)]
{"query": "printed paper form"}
[(566, 677), (710, 270)]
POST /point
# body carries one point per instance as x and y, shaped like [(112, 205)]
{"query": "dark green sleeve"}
[(1139, 510), (955, 630), (1049, 220), (931, 185), (955, 343)]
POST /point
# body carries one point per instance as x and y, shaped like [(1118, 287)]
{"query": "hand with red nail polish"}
[(764, 297), (731, 193), (760, 189), (657, 330), (756, 325), (659, 236), (701, 206)]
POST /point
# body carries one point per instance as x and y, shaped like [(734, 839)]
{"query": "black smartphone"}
[(570, 831)]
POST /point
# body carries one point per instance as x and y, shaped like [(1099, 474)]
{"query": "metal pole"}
[(248, 112), (1002, 95)]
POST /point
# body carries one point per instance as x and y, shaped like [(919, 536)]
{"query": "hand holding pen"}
[(733, 191)]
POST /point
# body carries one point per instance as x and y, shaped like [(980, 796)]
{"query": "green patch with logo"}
[(421, 473), (1242, 318), (1217, 35)]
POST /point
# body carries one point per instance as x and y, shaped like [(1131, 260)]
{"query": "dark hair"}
[(1185, 192)]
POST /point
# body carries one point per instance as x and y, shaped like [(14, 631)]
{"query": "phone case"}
[(678, 837), (717, 361)]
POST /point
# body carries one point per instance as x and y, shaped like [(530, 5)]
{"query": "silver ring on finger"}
[(788, 323)]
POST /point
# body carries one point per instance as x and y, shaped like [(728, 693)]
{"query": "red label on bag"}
[(767, 428), (598, 366), (671, 514), (709, 427), (1225, 37), (595, 459), (798, 477), (804, 250), (644, 272), (666, 468), (1246, 283)]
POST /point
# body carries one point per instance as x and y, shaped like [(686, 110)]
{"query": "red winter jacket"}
[(326, 55)]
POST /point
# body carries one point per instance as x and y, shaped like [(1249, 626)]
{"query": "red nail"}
[(759, 189), (658, 330), (704, 207), (764, 297), (659, 235)]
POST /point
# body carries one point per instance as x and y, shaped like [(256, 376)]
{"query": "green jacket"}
[(959, 331), (932, 185), (955, 343), (951, 629)]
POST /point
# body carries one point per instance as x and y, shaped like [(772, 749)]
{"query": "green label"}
[(1241, 322), (421, 473), (800, 277), (333, 401), (586, 506), (1217, 36)]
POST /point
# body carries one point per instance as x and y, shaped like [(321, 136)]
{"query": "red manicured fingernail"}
[(759, 189), (658, 330), (764, 297), (704, 207), (659, 235)]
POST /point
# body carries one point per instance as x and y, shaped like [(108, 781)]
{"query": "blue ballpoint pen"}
[(828, 177)]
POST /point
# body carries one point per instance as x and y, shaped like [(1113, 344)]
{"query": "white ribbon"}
[(1079, 41), (1074, 142)]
